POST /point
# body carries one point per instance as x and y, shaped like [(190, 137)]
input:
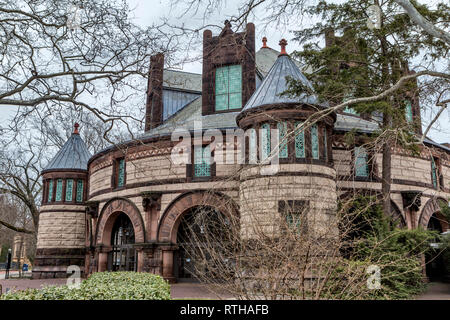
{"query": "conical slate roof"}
[(74, 155), (275, 83)]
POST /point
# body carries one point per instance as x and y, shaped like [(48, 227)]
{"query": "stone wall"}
[(260, 197)]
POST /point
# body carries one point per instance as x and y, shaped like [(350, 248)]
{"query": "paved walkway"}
[(436, 291)]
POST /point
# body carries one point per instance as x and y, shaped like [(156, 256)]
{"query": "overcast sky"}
[(149, 12)]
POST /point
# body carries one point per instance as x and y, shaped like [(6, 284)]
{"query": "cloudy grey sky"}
[(148, 12)]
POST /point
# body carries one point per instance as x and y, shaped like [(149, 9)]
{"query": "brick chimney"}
[(154, 106)]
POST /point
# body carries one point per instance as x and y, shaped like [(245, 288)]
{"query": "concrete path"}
[(436, 291)]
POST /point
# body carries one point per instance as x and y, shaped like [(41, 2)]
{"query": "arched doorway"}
[(200, 228), (123, 255), (435, 265)]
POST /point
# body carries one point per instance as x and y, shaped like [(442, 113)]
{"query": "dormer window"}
[(228, 88)]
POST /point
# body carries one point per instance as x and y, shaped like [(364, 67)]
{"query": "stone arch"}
[(168, 226), (431, 207), (109, 214)]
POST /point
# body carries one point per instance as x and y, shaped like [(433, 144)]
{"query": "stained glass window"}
[(265, 141), (282, 128), (59, 187), (252, 152), (228, 87), (361, 162), (69, 189), (325, 145), (202, 164), (434, 173), (408, 111), (299, 141), (50, 191), (293, 220), (315, 141), (121, 177), (80, 191)]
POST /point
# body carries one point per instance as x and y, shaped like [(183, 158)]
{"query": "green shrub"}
[(102, 286)]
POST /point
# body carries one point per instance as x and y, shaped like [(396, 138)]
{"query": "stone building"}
[(121, 208)]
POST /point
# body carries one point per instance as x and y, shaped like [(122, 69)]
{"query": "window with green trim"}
[(69, 190), (59, 187), (408, 111), (361, 162), (252, 146), (50, 191), (121, 173), (228, 88), (282, 130), (202, 161), (265, 141), (80, 191), (299, 141), (434, 173), (315, 141)]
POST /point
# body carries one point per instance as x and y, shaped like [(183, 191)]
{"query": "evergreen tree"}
[(367, 60)]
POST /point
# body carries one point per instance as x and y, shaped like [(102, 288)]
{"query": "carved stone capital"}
[(151, 199), (92, 208)]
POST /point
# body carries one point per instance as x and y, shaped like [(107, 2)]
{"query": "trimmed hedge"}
[(102, 286)]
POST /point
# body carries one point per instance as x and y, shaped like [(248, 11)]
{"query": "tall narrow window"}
[(59, 187), (325, 145), (50, 191), (282, 128), (408, 111), (202, 163), (69, 190), (265, 141), (252, 146), (80, 191), (434, 173), (361, 163), (121, 173), (299, 141), (228, 88), (315, 141)]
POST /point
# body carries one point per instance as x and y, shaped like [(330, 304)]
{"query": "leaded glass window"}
[(59, 187), (202, 163), (228, 87), (315, 141), (69, 189), (265, 141), (282, 129), (299, 141), (50, 191), (80, 191), (408, 111), (434, 173), (325, 145), (252, 152), (361, 162), (121, 173)]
